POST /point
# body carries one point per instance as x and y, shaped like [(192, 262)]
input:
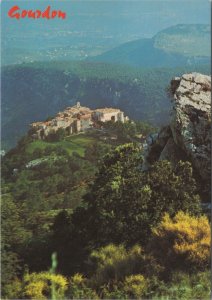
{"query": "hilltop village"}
[(76, 119)]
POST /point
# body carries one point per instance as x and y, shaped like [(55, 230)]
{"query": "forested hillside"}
[(102, 220), (33, 92), (83, 219)]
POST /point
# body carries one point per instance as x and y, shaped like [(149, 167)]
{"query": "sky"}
[(101, 23)]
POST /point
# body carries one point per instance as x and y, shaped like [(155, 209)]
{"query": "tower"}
[(78, 104)]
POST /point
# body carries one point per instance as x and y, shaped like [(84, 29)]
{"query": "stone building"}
[(76, 119), (108, 114)]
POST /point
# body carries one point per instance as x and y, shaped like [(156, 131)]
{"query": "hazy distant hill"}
[(32, 92), (175, 46), (188, 40)]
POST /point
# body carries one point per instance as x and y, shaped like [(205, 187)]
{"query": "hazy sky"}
[(120, 20)]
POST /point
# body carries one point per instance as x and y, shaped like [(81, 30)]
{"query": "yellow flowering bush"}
[(77, 279), (185, 237), (135, 286), (38, 285)]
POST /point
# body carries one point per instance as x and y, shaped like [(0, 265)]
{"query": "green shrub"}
[(135, 286), (12, 290), (186, 287), (113, 263), (114, 292), (79, 289)]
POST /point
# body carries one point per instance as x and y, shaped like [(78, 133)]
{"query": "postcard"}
[(105, 149)]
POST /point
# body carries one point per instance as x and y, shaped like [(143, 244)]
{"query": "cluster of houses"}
[(76, 119)]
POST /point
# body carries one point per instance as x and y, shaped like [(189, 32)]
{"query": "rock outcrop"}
[(188, 136)]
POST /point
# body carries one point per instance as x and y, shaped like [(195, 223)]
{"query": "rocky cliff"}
[(188, 136)]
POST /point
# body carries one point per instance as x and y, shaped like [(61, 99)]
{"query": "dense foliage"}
[(119, 273), (124, 203), (107, 220)]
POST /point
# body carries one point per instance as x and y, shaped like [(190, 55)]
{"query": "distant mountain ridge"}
[(194, 40), (175, 46)]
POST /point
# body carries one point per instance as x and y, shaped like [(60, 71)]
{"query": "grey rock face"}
[(189, 134), (191, 119)]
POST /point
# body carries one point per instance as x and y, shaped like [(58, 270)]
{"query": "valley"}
[(139, 93)]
